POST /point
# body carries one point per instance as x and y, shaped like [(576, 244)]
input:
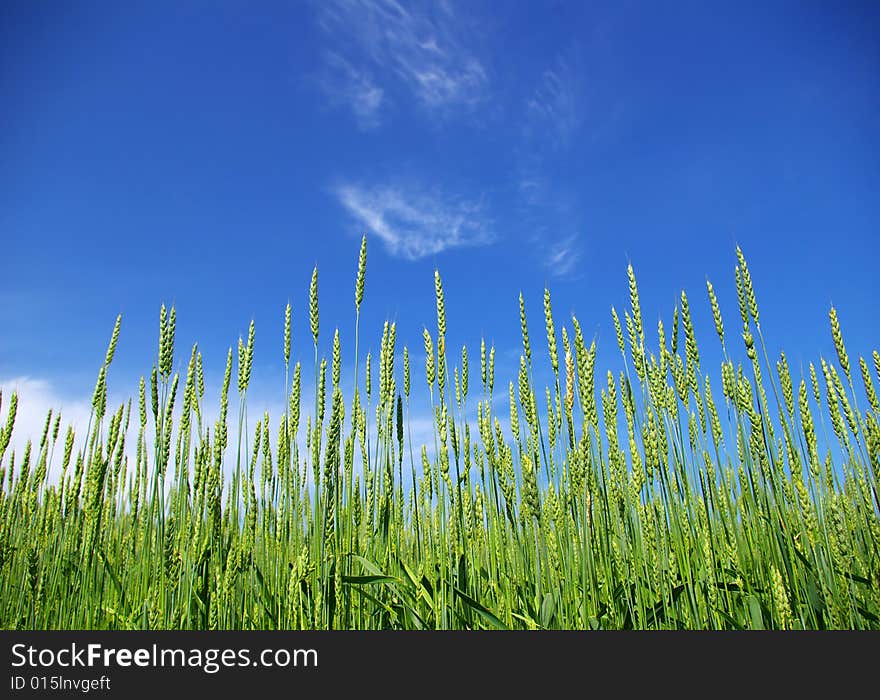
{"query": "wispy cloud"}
[(414, 223), (551, 212), (421, 48), (552, 116), (557, 101), (562, 257), (354, 88)]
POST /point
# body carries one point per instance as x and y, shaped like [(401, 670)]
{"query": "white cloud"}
[(557, 100), (552, 116), (562, 257), (548, 207), (35, 398), (421, 47), (414, 224), (355, 88)]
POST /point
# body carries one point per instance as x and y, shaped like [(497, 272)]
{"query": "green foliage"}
[(645, 503)]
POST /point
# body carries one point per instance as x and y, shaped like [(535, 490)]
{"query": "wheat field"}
[(666, 496)]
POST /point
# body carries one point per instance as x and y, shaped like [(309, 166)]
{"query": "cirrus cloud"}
[(421, 50), (413, 223)]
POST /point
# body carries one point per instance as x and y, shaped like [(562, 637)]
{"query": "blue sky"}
[(209, 154)]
